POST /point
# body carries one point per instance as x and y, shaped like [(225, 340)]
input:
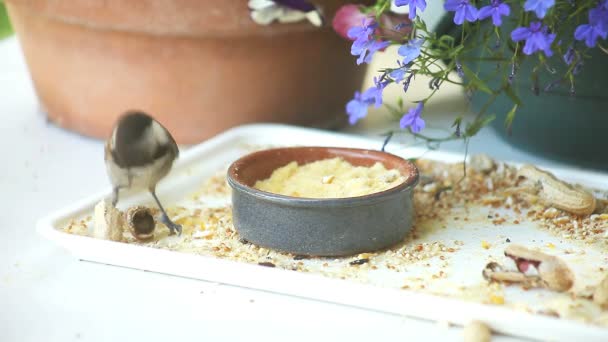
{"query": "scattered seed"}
[(359, 262), (498, 300)]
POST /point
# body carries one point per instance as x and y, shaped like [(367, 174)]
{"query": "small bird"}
[(139, 153)]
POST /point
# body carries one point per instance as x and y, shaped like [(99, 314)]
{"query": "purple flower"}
[(362, 34), (398, 74), (599, 15), (539, 6), (375, 92), (569, 55), (411, 50), (536, 36), (391, 26), (464, 10), (459, 69), (406, 84), (496, 9), (348, 17), (357, 107), (421, 4), (365, 45), (589, 33), (376, 45), (412, 119), (597, 27)]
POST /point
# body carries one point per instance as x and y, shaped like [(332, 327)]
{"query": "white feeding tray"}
[(436, 274)]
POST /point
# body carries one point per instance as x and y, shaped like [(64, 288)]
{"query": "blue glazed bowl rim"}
[(409, 184)]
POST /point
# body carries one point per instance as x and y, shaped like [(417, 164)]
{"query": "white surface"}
[(46, 295), (383, 292)]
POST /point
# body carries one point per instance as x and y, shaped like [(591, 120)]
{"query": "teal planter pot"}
[(553, 124)]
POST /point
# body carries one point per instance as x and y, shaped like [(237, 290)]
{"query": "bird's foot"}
[(173, 227)]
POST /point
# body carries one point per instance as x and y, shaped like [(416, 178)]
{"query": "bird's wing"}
[(143, 152)]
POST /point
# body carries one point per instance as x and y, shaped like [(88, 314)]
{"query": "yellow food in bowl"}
[(330, 178)]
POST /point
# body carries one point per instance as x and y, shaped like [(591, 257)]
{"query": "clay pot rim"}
[(406, 168)]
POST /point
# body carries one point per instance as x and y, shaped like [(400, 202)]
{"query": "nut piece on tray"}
[(553, 273), (476, 331), (559, 193), (600, 295), (141, 222), (482, 163), (108, 222)]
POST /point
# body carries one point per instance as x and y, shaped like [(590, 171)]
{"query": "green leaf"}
[(447, 40), (476, 81), (511, 94), (5, 25), (421, 24), (395, 113), (400, 103), (510, 117), (456, 51), (478, 124), (457, 124)]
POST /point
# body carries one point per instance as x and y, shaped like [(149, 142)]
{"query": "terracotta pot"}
[(199, 67)]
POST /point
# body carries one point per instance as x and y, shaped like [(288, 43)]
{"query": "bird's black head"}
[(139, 140), (131, 126)]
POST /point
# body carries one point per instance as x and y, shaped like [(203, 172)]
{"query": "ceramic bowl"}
[(326, 226)]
